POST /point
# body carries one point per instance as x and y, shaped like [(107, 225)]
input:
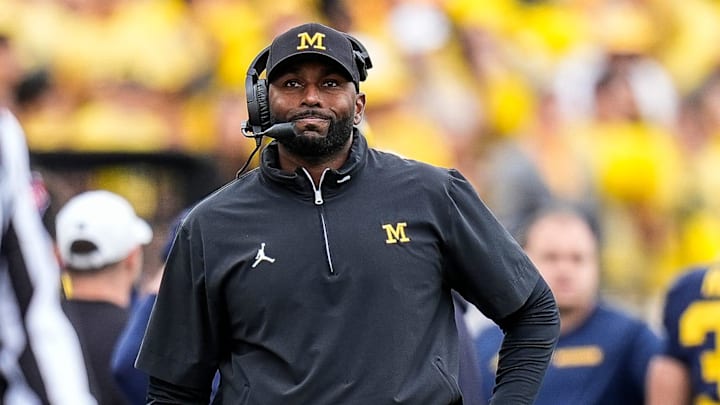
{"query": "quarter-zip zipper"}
[(317, 193)]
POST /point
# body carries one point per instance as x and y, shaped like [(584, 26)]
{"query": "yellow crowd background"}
[(614, 104)]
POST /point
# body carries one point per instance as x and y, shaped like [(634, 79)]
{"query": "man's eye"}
[(292, 83), (331, 83)]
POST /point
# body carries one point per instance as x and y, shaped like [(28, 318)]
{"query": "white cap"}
[(105, 219)]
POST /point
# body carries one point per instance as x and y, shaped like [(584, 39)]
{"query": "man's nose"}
[(311, 95)]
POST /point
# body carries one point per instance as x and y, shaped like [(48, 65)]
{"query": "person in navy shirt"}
[(603, 353)]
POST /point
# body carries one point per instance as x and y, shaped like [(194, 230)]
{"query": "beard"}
[(320, 149)]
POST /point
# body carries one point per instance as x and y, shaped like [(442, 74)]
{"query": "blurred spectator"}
[(392, 121), (603, 353), (624, 37), (699, 136), (543, 162), (99, 240), (635, 165), (687, 54), (124, 69)]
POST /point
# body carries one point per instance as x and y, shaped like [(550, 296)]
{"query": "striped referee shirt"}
[(40, 357)]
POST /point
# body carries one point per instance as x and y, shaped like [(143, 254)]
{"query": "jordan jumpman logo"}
[(260, 256)]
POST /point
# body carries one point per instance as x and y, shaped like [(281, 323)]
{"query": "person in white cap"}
[(99, 240)]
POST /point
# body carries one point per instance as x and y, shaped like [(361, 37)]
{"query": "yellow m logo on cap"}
[(307, 41)]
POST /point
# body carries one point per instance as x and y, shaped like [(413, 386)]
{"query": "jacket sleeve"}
[(489, 269), (180, 347), (531, 334), (483, 262)]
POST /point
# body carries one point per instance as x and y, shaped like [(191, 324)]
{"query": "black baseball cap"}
[(317, 39)]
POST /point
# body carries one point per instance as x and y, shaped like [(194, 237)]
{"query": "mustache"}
[(310, 114)]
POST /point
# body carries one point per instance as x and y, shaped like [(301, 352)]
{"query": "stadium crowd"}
[(614, 104)]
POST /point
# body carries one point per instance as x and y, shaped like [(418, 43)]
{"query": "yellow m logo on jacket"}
[(396, 233)]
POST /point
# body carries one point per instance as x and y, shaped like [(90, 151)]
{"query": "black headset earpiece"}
[(257, 104), (362, 57), (256, 90)]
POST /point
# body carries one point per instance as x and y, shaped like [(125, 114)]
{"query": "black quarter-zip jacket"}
[(339, 294)]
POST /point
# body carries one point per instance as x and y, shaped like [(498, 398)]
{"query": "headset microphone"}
[(280, 131)]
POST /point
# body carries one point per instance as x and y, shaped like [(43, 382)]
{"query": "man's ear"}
[(134, 260), (359, 108)]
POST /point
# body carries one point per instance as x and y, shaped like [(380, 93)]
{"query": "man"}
[(40, 358), (99, 240), (687, 372), (325, 276), (603, 354)]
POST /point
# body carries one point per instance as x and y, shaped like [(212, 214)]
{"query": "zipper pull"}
[(316, 190)]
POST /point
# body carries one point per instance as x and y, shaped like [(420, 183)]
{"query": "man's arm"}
[(531, 334), (668, 382), (179, 351), (490, 270)]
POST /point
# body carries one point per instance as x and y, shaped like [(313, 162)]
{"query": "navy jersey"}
[(692, 323), (604, 361)]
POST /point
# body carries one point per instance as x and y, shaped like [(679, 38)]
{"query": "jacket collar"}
[(298, 181)]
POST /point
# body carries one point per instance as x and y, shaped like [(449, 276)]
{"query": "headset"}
[(256, 89)]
